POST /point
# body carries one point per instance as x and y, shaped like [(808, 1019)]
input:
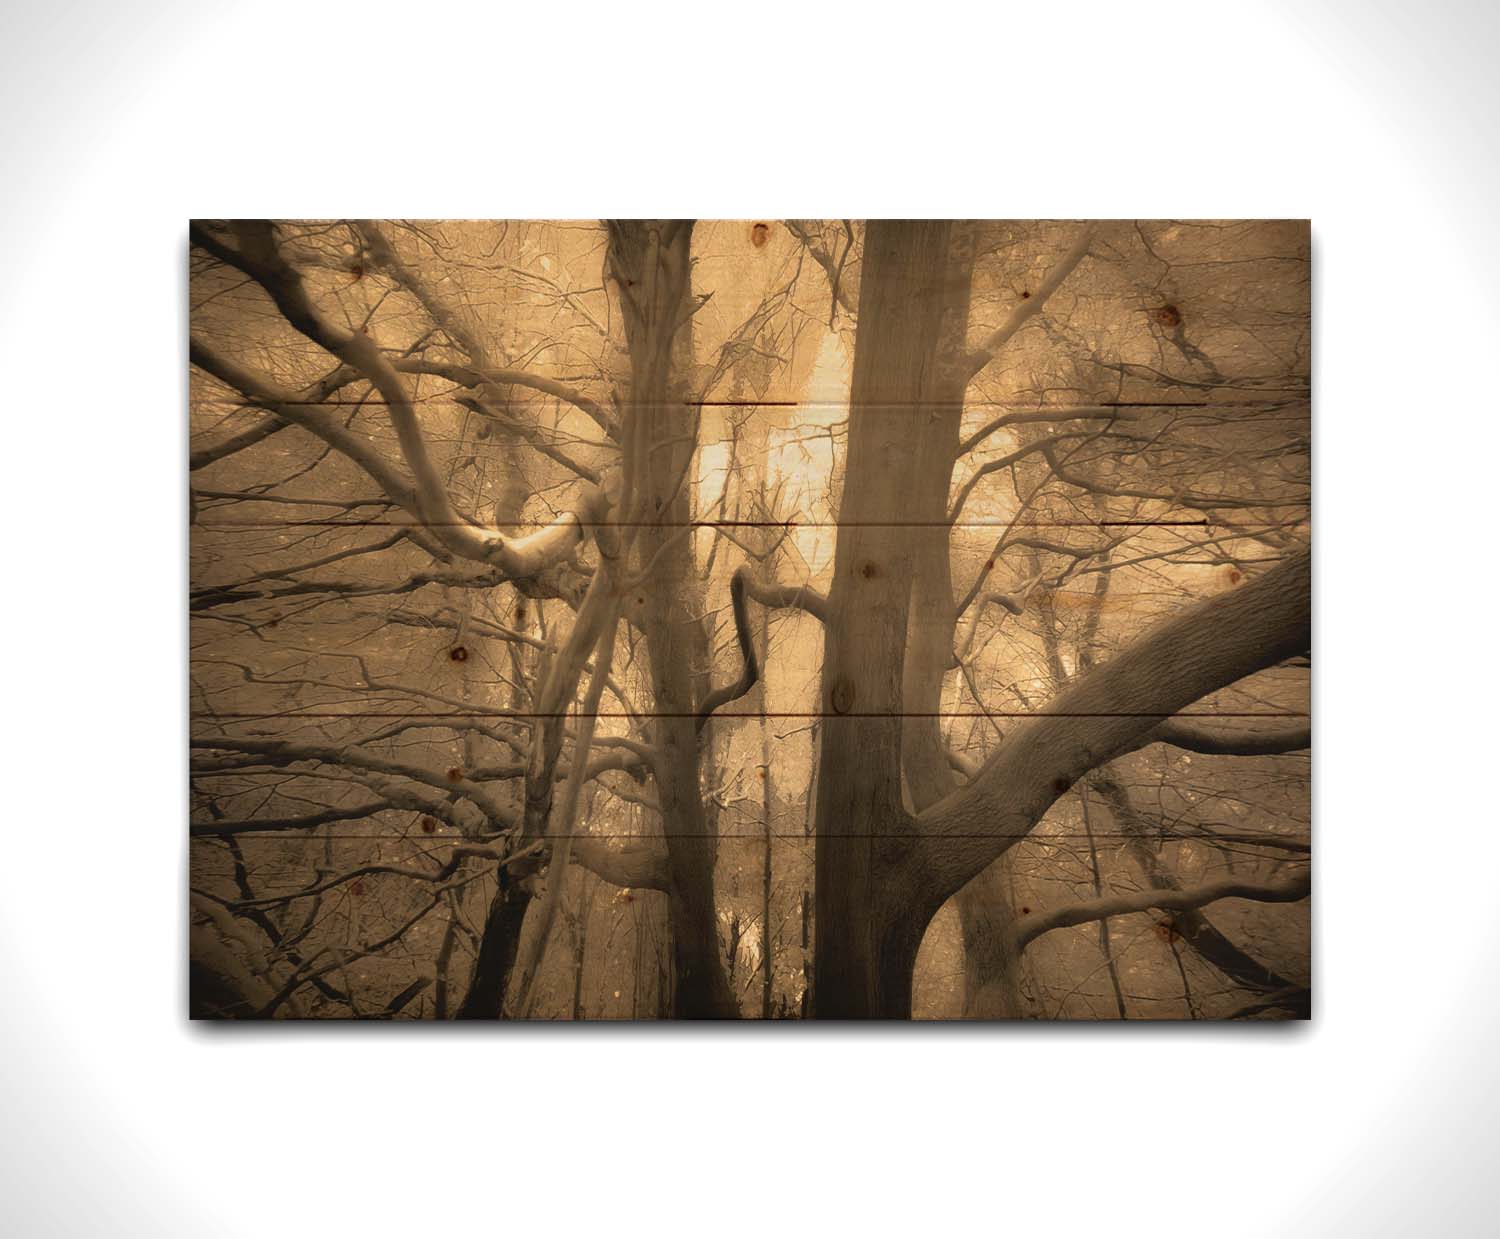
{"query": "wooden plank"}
[(410, 543)]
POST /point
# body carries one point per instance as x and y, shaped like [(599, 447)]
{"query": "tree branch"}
[(1185, 735), (833, 269), (1105, 712), (1289, 891), (259, 258), (263, 429), (777, 596), (749, 666), (1031, 307), (293, 409), (642, 865), (287, 752), (307, 822)]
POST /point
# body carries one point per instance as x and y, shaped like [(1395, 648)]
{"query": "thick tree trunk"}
[(883, 870), (868, 924), (992, 965)]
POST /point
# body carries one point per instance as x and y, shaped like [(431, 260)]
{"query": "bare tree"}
[(485, 510)]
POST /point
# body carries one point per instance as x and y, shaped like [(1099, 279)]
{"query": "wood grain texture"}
[(960, 591)]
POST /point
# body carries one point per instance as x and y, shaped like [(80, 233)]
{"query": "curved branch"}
[(293, 409), (769, 594), (1105, 712), (776, 596), (1184, 735), (1290, 891), (641, 865), (750, 666), (475, 376), (259, 258)]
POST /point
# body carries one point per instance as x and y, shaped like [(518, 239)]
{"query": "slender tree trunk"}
[(586, 888), (805, 1003), (759, 459), (767, 813), (490, 980), (1105, 947), (650, 263)]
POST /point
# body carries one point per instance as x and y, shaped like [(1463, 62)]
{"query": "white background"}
[(119, 122)]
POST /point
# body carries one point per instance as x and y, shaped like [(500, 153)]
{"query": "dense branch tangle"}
[(971, 516)]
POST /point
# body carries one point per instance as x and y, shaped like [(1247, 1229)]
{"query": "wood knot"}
[(841, 696)]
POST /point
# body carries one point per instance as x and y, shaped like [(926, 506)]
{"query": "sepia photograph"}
[(764, 619), (800, 620)]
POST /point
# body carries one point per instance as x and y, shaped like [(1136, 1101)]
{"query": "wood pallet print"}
[(763, 619)]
